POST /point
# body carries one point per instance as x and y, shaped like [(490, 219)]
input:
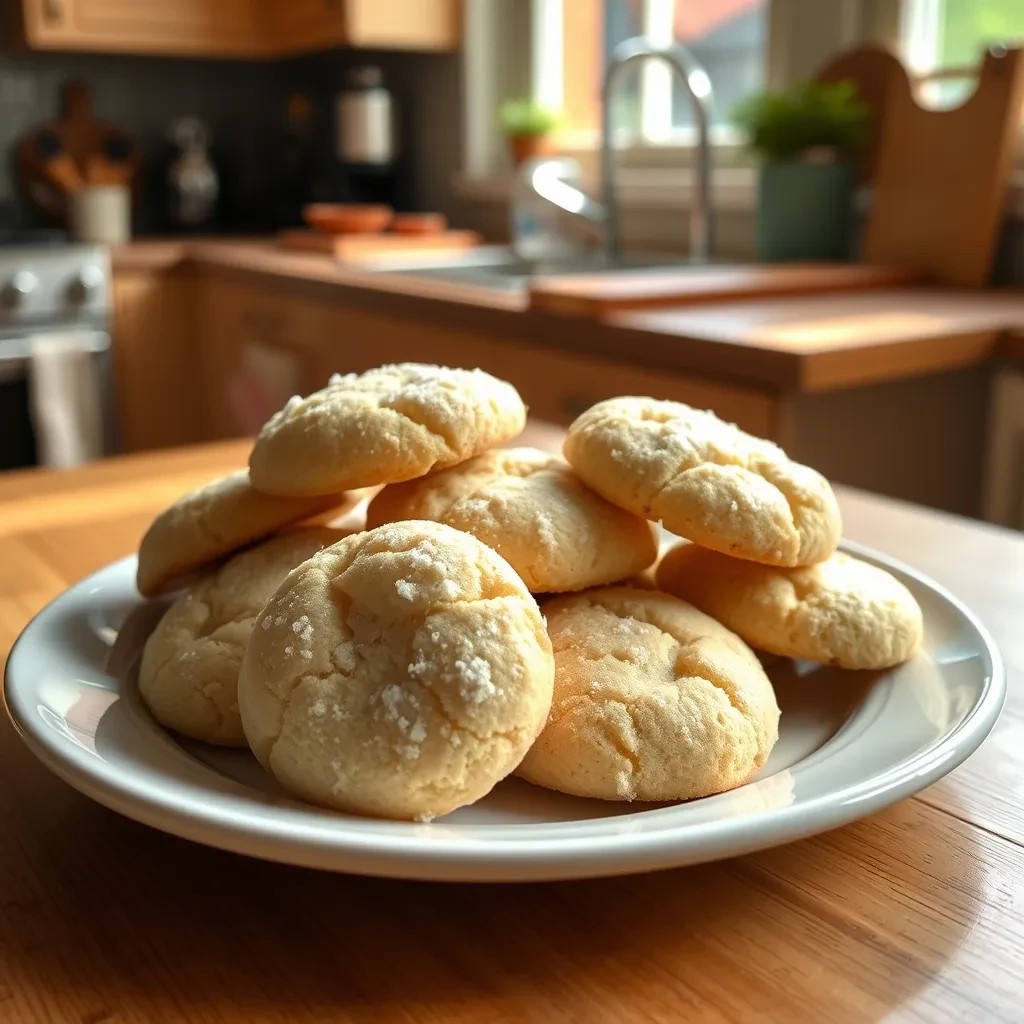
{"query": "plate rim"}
[(417, 854)]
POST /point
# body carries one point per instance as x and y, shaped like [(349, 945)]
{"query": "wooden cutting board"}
[(372, 247), (939, 176), (599, 295)]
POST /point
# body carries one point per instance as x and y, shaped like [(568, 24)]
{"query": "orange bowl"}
[(347, 218)]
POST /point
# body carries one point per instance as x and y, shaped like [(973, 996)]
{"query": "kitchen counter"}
[(910, 915), (794, 343)]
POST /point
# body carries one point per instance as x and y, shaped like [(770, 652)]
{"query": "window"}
[(943, 42), (728, 37)]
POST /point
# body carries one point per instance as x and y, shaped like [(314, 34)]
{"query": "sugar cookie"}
[(401, 672), (207, 524), (841, 611), (386, 425), (653, 700), (535, 512), (189, 671), (706, 480)]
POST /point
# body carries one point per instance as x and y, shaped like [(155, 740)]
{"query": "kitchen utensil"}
[(850, 743), (347, 218), (53, 159), (359, 248)]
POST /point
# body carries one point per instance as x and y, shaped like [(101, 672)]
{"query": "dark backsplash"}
[(244, 104)]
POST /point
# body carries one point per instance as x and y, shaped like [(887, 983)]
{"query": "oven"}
[(56, 373)]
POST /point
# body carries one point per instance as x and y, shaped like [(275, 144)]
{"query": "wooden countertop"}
[(801, 343), (818, 342), (911, 915)]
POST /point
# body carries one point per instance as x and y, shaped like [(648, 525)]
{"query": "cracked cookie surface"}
[(422, 674), (216, 520), (535, 512), (383, 426), (189, 672), (841, 611), (653, 700), (706, 480)]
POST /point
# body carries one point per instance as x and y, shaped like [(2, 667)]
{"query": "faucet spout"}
[(697, 87)]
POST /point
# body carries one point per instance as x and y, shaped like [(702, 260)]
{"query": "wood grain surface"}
[(597, 295), (802, 342), (914, 914)]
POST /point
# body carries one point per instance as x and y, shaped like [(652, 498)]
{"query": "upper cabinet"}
[(222, 28), (300, 26), (240, 28)]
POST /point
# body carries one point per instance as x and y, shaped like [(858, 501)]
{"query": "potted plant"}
[(528, 126), (807, 139)]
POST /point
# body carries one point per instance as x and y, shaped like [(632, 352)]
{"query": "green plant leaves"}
[(783, 125)]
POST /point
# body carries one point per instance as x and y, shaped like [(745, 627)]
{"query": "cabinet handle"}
[(53, 10)]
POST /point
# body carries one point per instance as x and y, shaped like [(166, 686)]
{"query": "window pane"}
[(729, 37), (941, 34)]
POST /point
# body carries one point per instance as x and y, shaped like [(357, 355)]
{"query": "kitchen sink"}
[(498, 267)]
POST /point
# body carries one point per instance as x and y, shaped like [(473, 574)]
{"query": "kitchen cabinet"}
[(239, 28), (264, 342), (300, 26), (224, 28), (258, 346), (155, 355)]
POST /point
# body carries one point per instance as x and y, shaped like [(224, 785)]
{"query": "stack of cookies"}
[(403, 670)]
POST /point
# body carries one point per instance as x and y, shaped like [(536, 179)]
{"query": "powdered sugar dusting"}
[(475, 683), (405, 589)]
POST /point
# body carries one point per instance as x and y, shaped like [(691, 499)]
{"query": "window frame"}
[(802, 34)]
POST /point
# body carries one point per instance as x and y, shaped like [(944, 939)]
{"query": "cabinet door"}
[(303, 26), (181, 27), (260, 345), (155, 359), (403, 24)]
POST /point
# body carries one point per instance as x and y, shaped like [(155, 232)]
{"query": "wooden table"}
[(916, 914)]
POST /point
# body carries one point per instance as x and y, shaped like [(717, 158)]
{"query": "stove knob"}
[(19, 288), (86, 283)]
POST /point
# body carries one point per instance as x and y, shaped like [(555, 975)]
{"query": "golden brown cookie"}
[(205, 525), (386, 425), (841, 611), (706, 480), (189, 672), (401, 672), (653, 700), (535, 512)]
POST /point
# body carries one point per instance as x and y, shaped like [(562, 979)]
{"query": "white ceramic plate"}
[(850, 744)]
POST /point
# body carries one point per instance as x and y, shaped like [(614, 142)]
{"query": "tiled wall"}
[(244, 104)]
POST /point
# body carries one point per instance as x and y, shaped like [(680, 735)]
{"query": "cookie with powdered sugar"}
[(535, 512), (189, 672), (389, 424), (422, 675)]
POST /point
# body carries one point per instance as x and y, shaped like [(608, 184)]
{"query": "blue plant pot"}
[(805, 211)]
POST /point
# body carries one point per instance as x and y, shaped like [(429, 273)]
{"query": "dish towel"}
[(65, 397)]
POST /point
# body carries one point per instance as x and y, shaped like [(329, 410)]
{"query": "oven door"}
[(20, 432)]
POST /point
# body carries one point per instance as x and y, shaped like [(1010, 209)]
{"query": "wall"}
[(244, 103)]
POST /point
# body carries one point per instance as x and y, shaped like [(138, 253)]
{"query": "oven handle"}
[(15, 352)]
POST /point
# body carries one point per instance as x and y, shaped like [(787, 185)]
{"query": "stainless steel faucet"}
[(548, 179), (697, 86)]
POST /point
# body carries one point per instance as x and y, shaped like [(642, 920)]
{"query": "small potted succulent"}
[(528, 126), (807, 139)]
